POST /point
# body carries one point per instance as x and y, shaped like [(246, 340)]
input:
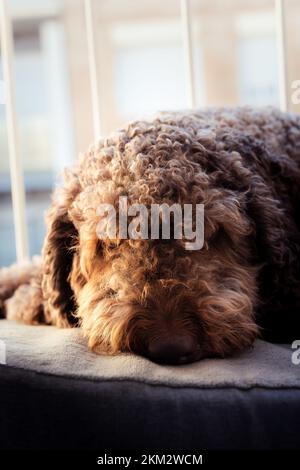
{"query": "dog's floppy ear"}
[(59, 304)]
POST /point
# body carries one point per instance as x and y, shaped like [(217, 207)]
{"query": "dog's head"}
[(163, 301), (155, 297)]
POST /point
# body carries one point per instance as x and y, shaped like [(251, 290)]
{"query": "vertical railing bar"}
[(93, 69), (17, 182), (188, 52), (281, 50)]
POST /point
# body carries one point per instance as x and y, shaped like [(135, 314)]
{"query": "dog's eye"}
[(214, 236), (111, 244), (217, 236), (110, 293)]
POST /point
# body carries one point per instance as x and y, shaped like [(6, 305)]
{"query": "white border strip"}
[(281, 49), (188, 52), (17, 183), (93, 70)]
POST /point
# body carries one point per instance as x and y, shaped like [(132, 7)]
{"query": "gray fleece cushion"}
[(64, 352), (55, 393)]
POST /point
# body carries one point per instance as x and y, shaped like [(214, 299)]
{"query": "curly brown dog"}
[(154, 297)]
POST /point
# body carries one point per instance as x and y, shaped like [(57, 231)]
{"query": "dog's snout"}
[(173, 350)]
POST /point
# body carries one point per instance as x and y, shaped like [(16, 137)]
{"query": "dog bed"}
[(55, 393)]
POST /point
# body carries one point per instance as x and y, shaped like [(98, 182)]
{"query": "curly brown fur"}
[(16, 275), (243, 165)]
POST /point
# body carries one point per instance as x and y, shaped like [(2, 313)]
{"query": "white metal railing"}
[(92, 59), (188, 52), (17, 184), (282, 59)]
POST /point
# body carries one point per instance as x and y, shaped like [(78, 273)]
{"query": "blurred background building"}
[(141, 71)]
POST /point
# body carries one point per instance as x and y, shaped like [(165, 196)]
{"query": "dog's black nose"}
[(173, 350)]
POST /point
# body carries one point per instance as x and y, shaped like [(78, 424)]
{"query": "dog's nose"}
[(173, 350)]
